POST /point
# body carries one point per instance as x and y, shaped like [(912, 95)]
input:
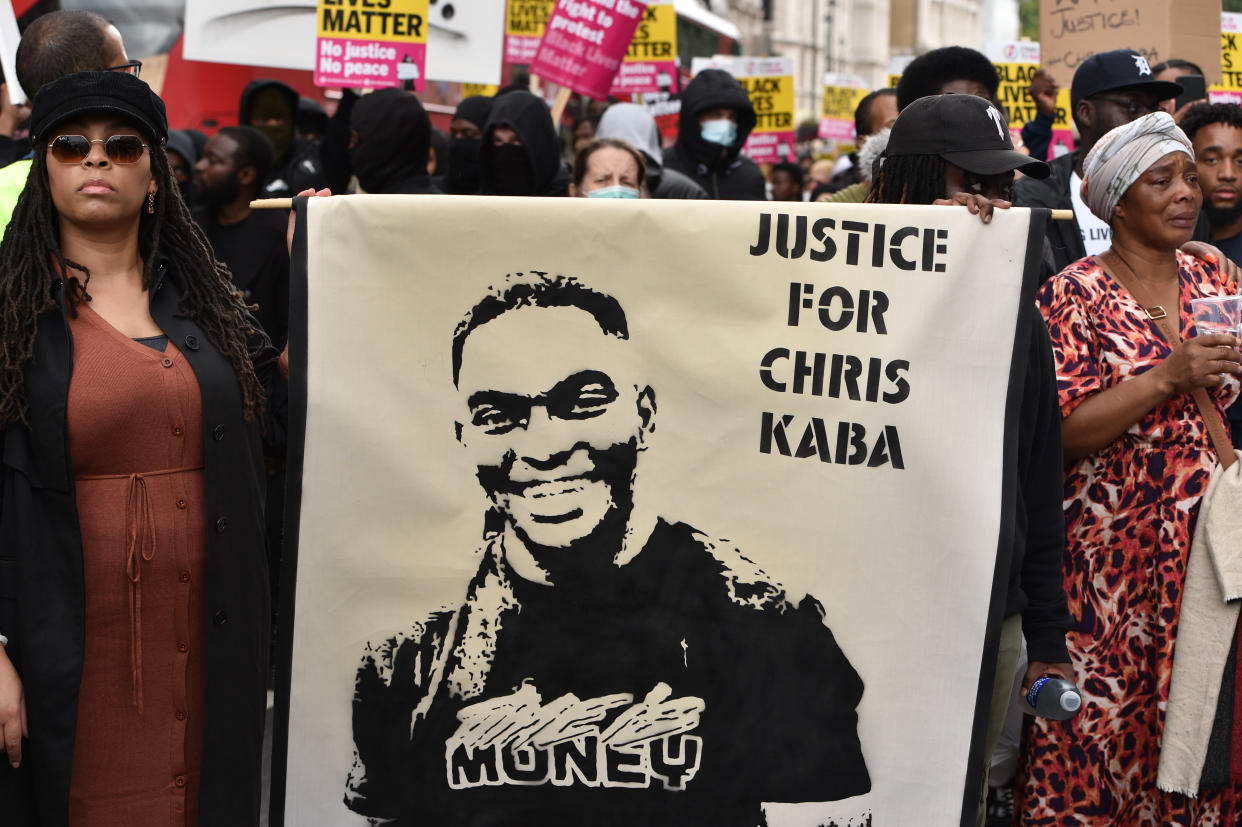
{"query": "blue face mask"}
[(722, 132), (613, 192)]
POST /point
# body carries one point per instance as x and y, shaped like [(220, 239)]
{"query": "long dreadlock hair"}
[(906, 179), (31, 263)]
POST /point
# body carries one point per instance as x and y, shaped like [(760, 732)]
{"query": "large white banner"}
[(644, 512), (464, 41)]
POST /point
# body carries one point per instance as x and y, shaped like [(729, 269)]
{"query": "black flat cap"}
[(86, 92)]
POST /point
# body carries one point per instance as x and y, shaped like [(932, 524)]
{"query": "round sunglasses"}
[(120, 149)]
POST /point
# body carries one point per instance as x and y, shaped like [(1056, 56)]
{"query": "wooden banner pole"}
[(558, 108), (287, 203)]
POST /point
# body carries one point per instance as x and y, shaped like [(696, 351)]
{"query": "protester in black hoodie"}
[(389, 143), (721, 169), (465, 143), (521, 154), (271, 107)]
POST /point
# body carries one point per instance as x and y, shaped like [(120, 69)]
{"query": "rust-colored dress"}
[(136, 443)]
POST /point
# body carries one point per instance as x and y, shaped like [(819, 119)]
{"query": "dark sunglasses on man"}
[(120, 149)]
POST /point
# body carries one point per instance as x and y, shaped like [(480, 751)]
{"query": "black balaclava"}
[(394, 135), (535, 167), (464, 173)]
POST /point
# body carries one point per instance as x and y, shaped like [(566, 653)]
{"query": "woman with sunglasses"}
[(134, 388)]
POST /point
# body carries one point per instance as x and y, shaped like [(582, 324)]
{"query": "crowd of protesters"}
[(143, 325)]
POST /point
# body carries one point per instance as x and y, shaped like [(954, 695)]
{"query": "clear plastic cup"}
[(1220, 314)]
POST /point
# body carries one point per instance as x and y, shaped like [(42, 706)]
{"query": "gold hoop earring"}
[(150, 203)]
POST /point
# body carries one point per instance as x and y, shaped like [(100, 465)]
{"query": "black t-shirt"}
[(257, 254), (680, 693)]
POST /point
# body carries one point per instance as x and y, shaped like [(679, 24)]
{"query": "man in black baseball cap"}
[(951, 147), (1110, 89)]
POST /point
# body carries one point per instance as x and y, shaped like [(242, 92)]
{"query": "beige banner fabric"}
[(646, 512)]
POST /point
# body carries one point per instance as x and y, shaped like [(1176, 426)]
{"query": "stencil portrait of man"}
[(604, 667)]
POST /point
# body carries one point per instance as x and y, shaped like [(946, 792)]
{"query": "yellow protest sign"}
[(525, 21), (842, 94), (1016, 64), (371, 47), (650, 65), (1229, 90)]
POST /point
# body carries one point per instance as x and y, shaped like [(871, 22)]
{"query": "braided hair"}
[(31, 261), (907, 179)]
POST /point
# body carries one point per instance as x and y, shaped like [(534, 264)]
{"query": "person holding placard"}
[(1140, 395), (955, 149), (134, 607)]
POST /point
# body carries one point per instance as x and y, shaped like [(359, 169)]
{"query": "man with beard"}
[(1215, 129), (607, 666), (235, 163)]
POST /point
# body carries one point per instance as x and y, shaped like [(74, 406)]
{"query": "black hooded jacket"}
[(394, 137), (528, 116), (300, 168), (723, 171)]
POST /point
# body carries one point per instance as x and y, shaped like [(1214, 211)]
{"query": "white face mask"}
[(617, 191), (722, 131)]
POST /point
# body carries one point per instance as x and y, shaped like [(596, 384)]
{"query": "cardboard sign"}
[(507, 596), (463, 38), (650, 65), (584, 43), (1016, 63), (371, 48), (1070, 31), (769, 82), (842, 94), (525, 21), (1229, 90)]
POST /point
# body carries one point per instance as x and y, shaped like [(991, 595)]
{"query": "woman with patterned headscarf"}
[(1138, 458)]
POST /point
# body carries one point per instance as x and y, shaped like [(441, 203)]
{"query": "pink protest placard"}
[(584, 43)]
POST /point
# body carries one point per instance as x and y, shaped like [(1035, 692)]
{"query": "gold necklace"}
[(1154, 312)]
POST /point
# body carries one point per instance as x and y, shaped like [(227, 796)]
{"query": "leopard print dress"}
[(1130, 510)]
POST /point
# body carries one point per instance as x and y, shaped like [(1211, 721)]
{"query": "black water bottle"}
[(1054, 698)]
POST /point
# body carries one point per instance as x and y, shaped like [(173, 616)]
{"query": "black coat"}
[(42, 590)]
